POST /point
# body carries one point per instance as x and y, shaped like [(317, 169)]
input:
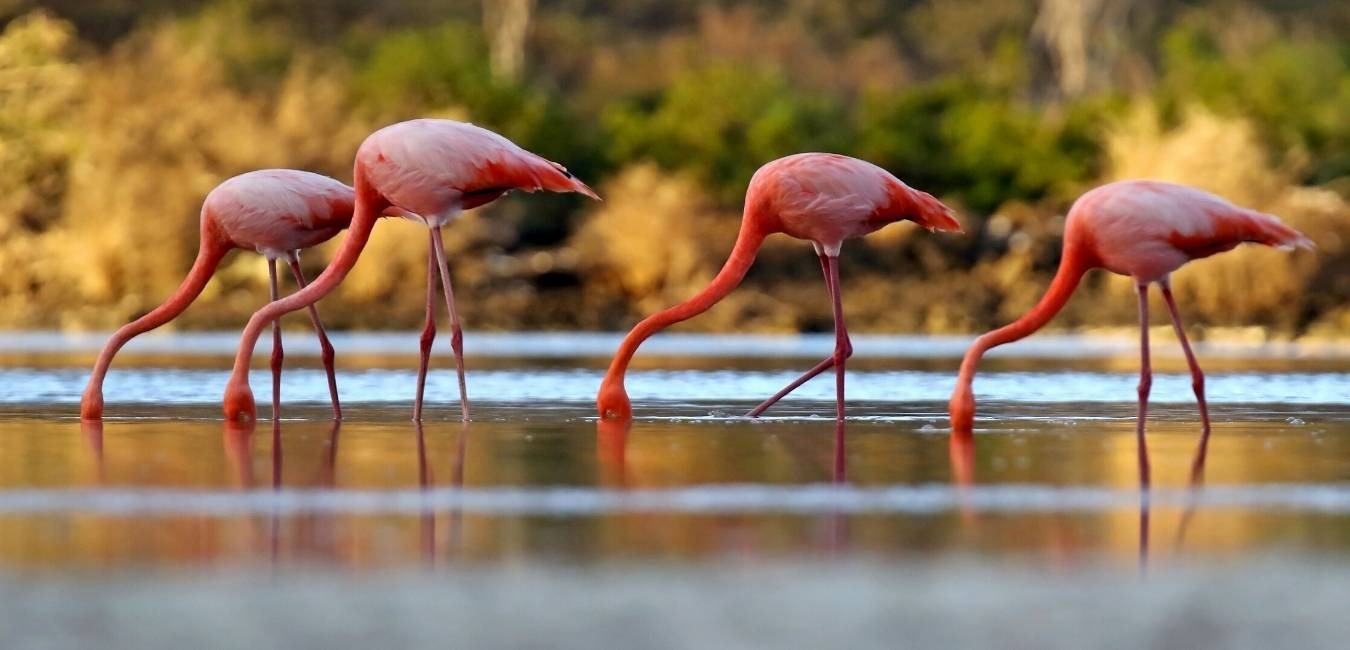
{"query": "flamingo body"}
[(427, 170), (276, 212), (436, 168), (827, 198), (1146, 230), (819, 197)]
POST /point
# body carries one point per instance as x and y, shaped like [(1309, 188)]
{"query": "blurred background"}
[(117, 117)]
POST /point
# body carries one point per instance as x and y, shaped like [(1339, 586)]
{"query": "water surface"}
[(1051, 477)]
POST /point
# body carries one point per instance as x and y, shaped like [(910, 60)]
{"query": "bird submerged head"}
[(239, 406), (612, 402), (961, 409)]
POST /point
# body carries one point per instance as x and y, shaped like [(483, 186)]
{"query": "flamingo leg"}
[(1145, 383), (841, 342), (456, 333), (325, 346), (277, 354), (428, 327), (829, 361), (1197, 381)]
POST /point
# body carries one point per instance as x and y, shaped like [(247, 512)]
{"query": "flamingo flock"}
[(430, 170)]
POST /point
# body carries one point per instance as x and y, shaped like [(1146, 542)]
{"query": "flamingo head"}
[(612, 402), (239, 405), (961, 408)]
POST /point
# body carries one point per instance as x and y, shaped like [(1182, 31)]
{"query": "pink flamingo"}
[(820, 197), (428, 171), (1146, 230), (276, 212)]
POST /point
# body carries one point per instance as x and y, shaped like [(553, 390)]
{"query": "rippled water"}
[(1052, 475)]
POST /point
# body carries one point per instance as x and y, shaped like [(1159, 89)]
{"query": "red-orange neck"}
[(212, 250), (1076, 261), (369, 206), (748, 242)]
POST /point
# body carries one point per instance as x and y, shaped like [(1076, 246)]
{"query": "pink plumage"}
[(274, 211), (1148, 229), (435, 168), (827, 198)]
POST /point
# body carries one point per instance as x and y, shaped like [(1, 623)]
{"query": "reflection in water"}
[(613, 438), (1040, 485), (961, 452), (93, 439), (1197, 483), (426, 481), (611, 446)]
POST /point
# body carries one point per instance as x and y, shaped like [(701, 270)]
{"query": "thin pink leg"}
[(841, 342), (428, 327), (818, 368), (325, 346), (277, 354), (1197, 382), (1145, 383), (456, 333)]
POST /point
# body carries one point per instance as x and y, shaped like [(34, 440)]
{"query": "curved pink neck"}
[(369, 206), (208, 258), (1071, 270), (733, 271)]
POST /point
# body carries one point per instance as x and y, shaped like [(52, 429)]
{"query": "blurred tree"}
[(507, 22)]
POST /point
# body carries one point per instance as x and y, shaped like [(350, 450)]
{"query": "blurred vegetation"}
[(116, 118)]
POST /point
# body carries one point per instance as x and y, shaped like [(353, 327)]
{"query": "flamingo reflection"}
[(92, 431), (611, 446), (809, 455), (1193, 490), (961, 452), (426, 481)]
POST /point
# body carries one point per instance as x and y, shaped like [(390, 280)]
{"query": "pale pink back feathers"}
[(827, 198), (278, 210), (1148, 229), (428, 166)]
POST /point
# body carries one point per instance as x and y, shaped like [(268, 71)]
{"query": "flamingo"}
[(1145, 230), (276, 212), (820, 197), (429, 171)]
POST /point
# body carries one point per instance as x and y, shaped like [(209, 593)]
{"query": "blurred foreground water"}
[(1051, 479)]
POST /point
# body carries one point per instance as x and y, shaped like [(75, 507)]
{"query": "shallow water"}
[(1052, 477)]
